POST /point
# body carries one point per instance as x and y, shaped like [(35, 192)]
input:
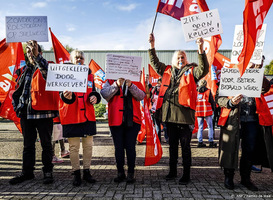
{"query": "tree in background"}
[(269, 69)]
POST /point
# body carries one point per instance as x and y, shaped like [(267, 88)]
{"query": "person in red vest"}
[(124, 118), (77, 115), (245, 118), (205, 106), (177, 97), (36, 114)]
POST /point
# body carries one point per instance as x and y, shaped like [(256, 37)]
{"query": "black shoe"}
[(249, 185), (171, 176), (201, 144), (121, 177), (130, 178), (212, 145), (48, 178), (229, 184), (87, 176), (77, 181), (21, 178), (184, 180)]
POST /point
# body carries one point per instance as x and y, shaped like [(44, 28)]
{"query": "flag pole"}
[(154, 22)]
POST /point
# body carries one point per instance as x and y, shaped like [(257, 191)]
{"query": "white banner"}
[(238, 42), (250, 84), (122, 66), (61, 77), (204, 24), (25, 28)]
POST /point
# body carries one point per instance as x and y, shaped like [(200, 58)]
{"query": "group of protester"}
[(177, 101)]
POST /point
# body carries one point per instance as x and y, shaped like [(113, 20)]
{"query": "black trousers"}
[(182, 133), (125, 139), (30, 127), (249, 132)]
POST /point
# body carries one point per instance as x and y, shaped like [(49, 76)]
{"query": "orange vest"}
[(115, 107), (81, 110), (265, 117), (41, 99), (186, 90), (203, 106)]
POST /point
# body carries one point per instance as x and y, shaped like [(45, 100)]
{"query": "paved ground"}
[(207, 177)]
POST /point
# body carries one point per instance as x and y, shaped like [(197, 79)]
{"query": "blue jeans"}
[(200, 121)]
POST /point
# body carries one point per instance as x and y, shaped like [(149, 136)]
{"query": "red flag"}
[(99, 74), (11, 59), (153, 76), (153, 146), (254, 15), (61, 54)]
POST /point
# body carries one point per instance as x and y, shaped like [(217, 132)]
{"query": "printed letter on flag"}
[(99, 74)]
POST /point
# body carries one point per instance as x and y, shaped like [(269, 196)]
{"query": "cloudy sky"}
[(123, 24)]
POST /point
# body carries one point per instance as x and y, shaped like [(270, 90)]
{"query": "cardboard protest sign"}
[(122, 66), (238, 42), (61, 77), (25, 28), (250, 84), (204, 24)]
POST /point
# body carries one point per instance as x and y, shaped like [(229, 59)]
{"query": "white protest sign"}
[(25, 28), (61, 77), (204, 24), (238, 42), (122, 66), (250, 84)]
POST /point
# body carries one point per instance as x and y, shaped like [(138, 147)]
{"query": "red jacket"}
[(115, 108), (81, 110), (203, 106), (186, 92), (41, 99)]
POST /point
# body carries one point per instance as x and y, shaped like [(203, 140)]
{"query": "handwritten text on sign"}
[(250, 84), (25, 28), (121, 66), (204, 24), (61, 77), (238, 42)]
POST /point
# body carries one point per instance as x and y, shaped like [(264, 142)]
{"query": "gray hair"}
[(74, 54), (174, 58)]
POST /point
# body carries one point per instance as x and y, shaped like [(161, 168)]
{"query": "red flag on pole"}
[(153, 146), (153, 76), (11, 59), (61, 54), (254, 15), (99, 74)]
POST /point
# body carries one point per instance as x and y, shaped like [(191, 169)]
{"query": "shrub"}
[(100, 109)]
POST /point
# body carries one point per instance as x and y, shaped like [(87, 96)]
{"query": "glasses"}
[(82, 58)]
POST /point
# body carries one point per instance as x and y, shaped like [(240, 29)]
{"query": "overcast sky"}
[(124, 24)]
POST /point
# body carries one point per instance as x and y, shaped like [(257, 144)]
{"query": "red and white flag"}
[(153, 76), (254, 15), (99, 74), (61, 54), (11, 59)]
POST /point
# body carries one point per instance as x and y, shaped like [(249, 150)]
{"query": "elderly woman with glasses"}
[(77, 116)]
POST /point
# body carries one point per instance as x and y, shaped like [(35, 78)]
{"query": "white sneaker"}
[(65, 154), (56, 160)]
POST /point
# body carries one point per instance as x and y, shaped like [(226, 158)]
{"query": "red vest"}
[(41, 99), (115, 107), (265, 117), (81, 110), (186, 91), (203, 106)]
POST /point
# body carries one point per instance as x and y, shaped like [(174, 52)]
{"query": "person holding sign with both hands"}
[(244, 118), (77, 116), (124, 118)]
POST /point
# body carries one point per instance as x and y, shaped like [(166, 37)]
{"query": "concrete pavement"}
[(206, 175)]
